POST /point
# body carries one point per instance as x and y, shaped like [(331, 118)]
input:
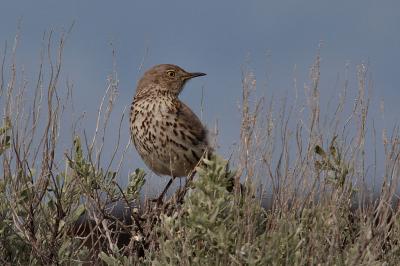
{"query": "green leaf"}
[(77, 213), (109, 260), (65, 245), (136, 182)]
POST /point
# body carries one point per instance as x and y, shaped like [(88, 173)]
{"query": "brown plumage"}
[(167, 135)]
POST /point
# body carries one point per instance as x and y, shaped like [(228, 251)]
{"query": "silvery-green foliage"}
[(210, 226)]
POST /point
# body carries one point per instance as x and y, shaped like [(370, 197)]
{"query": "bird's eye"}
[(171, 73)]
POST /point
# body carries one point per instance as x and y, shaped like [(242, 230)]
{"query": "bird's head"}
[(165, 78)]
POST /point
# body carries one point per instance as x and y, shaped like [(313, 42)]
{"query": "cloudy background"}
[(279, 39)]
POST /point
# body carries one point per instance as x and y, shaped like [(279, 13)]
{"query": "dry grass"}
[(308, 164)]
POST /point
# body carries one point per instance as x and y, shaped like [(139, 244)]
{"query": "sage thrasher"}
[(167, 135)]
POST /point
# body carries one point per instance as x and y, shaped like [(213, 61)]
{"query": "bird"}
[(167, 134)]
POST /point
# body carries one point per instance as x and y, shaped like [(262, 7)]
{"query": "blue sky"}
[(215, 37)]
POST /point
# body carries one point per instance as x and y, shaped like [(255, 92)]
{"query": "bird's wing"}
[(192, 124)]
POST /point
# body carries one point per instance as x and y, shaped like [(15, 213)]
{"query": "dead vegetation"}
[(64, 206)]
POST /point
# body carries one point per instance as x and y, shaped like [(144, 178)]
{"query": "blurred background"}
[(278, 40)]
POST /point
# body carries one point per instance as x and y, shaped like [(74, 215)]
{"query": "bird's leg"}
[(160, 198), (182, 191)]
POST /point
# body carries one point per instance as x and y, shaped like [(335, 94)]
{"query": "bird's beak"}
[(194, 74)]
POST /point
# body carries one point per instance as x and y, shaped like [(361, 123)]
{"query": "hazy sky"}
[(215, 37)]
